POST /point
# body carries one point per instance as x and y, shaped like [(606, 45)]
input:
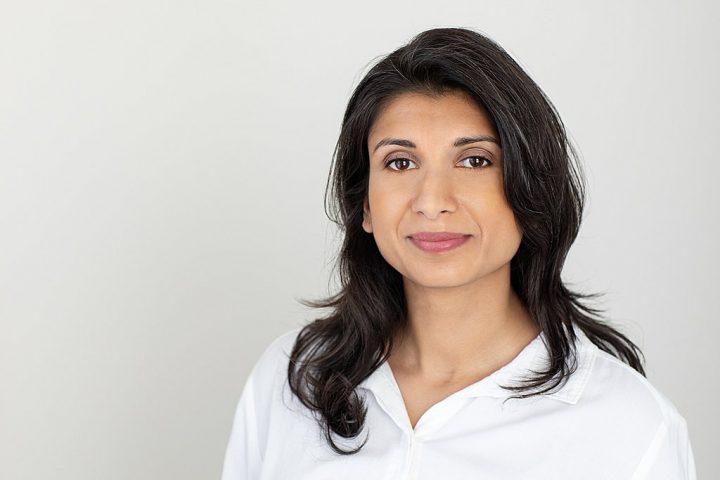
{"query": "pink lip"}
[(438, 241)]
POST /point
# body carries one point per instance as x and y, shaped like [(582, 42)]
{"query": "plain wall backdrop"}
[(163, 169)]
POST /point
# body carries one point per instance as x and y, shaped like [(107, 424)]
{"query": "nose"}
[(435, 195)]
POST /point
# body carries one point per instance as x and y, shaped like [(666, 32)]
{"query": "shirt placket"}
[(390, 399), (413, 455)]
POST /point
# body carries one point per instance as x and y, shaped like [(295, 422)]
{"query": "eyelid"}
[(483, 153)]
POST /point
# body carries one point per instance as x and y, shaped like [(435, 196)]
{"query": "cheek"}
[(507, 231), (386, 217), (387, 208), (496, 218), (511, 227), (386, 203), (487, 199)]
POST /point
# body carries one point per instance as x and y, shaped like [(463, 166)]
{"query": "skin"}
[(464, 319)]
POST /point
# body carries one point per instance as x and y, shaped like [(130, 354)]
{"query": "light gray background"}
[(161, 199)]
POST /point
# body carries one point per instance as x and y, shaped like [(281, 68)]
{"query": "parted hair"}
[(544, 186)]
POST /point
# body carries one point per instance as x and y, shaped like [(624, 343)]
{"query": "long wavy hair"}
[(543, 184)]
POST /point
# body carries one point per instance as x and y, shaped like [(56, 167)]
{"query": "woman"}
[(453, 349)]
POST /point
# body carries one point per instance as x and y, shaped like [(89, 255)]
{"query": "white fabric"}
[(607, 422)]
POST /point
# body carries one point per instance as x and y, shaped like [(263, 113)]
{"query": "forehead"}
[(456, 109)]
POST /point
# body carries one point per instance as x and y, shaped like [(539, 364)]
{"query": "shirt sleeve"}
[(670, 455), (242, 456)]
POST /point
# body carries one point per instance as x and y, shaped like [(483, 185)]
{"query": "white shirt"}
[(607, 422)]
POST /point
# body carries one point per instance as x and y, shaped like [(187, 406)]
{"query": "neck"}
[(463, 331)]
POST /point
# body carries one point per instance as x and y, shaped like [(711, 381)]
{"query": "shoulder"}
[(267, 380), (633, 407), (626, 389), (648, 415), (605, 384), (282, 344), (257, 408), (274, 358), (634, 419)]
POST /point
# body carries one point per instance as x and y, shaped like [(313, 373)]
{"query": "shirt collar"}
[(533, 357)]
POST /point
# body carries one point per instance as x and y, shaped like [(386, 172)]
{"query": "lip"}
[(437, 242)]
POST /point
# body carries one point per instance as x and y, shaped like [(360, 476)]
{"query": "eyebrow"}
[(459, 142)]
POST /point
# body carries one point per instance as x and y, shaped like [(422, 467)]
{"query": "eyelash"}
[(387, 164)]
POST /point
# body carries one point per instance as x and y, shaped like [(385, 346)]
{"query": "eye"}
[(402, 160), (476, 161)]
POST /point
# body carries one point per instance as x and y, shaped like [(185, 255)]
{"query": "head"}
[(518, 195)]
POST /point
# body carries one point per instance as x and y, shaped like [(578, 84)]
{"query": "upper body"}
[(606, 422), (459, 198)]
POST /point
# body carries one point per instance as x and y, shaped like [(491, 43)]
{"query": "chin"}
[(436, 278)]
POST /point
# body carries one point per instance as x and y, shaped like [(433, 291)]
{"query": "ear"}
[(367, 220)]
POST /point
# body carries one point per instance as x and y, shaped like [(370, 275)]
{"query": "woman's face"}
[(436, 166)]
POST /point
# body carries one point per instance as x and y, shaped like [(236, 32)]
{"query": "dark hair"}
[(543, 184)]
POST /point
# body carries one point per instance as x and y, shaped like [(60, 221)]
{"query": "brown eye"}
[(399, 162), (476, 161)]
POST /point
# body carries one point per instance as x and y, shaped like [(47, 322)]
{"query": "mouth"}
[(438, 242)]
